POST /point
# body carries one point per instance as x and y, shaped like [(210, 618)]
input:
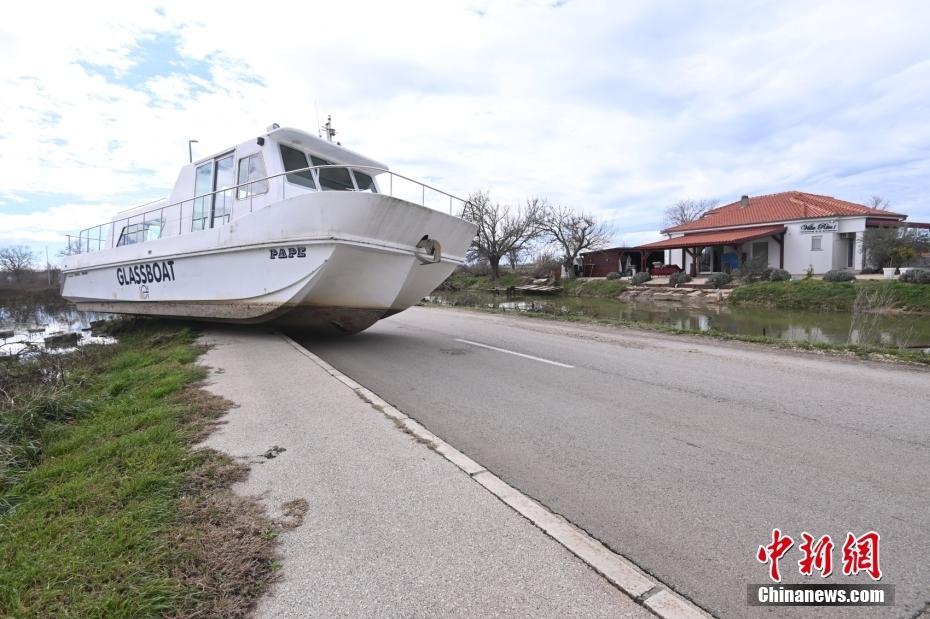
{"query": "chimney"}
[(744, 202)]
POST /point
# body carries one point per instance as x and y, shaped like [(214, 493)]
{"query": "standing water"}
[(28, 324), (891, 330)]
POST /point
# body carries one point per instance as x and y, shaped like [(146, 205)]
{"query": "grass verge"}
[(872, 353), (106, 508), (594, 287), (817, 295), (467, 281)]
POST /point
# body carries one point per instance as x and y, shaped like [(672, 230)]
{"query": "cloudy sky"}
[(619, 108)]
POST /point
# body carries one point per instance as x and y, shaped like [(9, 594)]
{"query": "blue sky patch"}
[(155, 55)]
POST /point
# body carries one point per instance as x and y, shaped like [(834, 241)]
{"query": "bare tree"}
[(501, 229), (686, 211), (573, 232), (513, 257), (17, 260), (878, 202), (72, 247)]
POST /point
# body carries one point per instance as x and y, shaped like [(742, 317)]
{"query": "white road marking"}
[(518, 354), (616, 568)]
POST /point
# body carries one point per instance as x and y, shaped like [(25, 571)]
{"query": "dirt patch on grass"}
[(227, 542), (293, 513)]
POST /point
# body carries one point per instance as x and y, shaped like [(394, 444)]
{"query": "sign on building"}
[(816, 227)]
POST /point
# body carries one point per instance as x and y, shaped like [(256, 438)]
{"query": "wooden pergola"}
[(694, 244)]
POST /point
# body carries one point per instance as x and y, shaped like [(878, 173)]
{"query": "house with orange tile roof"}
[(792, 230)]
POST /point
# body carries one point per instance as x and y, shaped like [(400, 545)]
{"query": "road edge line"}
[(622, 573)]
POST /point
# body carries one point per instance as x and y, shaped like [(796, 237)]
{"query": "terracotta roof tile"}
[(785, 206), (721, 237)]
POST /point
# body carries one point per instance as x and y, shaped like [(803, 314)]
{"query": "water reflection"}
[(892, 330), (24, 327)]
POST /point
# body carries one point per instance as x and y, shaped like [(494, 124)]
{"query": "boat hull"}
[(335, 261)]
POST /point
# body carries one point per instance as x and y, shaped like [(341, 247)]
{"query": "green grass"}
[(467, 281), (104, 505), (593, 287), (817, 295)]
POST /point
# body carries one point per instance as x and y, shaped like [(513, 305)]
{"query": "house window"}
[(816, 243), (252, 171), (760, 252)]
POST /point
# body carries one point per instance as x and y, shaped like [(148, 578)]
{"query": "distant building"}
[(790, 230), (624, 260)]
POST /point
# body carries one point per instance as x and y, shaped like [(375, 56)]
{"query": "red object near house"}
[(665, 269)]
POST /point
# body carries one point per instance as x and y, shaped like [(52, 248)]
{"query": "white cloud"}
[(617, 109)]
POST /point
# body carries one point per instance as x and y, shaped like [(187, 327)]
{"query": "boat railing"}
[(231, 203)]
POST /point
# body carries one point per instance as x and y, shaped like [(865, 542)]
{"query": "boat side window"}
[(137, 233), (296, 160), (129, 235), (252, 171), (152, 230), (333, 179), (364, 182), (203, 184)]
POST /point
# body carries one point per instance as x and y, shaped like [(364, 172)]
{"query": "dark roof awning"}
[(735, 236), (876, 222)]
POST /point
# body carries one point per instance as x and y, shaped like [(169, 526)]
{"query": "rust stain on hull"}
[(308, 318)]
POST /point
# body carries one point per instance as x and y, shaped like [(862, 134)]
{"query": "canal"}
[(890, 330), (27, 327)]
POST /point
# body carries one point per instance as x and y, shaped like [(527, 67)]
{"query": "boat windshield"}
[(325, 178), (364, 181), (333, 179), (296, 160)]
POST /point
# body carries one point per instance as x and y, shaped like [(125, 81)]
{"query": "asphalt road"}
[(680, 453)]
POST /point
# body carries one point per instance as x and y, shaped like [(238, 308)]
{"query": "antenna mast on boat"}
[(328, 128)]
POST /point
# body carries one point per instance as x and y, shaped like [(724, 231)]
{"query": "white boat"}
[(285, 227)]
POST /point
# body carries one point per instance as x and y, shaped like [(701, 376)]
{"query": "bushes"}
[(916, 276), (779, 275), (754, 270), (613, 275), (679, 278), (839, 276), (641, 278), (719, 279)]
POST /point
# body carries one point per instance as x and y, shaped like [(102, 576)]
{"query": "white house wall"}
[(798, 254)]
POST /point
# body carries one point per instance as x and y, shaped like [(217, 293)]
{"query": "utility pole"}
[(190, 152), (48, 267)]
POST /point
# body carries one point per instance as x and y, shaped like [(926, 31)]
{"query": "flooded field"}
[(891, 330), (26, 327)]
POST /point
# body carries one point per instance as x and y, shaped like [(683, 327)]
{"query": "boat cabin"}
[(214, 190)]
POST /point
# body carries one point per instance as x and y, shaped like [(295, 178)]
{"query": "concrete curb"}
[(619, 571)]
